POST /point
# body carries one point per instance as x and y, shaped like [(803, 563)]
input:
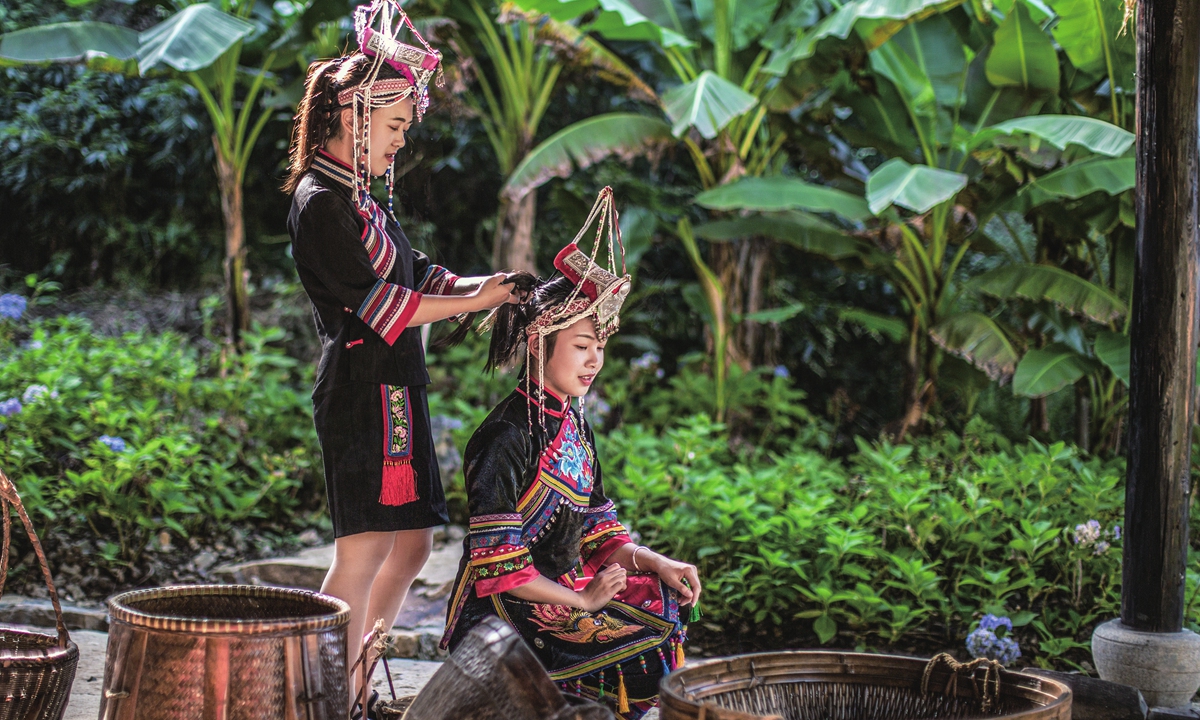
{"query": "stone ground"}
[(414, 657), (408, 676)]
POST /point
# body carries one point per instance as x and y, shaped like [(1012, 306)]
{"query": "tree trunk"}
[(512, 245), (1039, 419), (237, 297), (1083, 417), (743, 269)]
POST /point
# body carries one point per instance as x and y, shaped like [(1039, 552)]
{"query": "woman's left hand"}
[(681, 576)]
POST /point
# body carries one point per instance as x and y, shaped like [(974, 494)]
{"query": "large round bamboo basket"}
[(233, 652), (813, 685)]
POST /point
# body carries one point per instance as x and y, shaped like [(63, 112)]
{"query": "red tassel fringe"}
[(399, 483)]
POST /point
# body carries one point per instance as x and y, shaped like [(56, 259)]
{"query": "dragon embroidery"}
[(578, 626)]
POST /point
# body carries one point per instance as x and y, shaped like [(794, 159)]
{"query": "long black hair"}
[(512, 321), (523, 281)]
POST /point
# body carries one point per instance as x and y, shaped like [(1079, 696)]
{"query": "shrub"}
[(128, 436), (907, 544)]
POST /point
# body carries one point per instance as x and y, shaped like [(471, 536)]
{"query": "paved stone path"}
[(408, 676)]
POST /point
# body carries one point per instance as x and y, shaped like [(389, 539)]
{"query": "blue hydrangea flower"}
[(12, 306), (985, 642), (646, 361), (115, 444), (35, 392), (1087, 533), (32, 345), (12, 406), (781, 371)]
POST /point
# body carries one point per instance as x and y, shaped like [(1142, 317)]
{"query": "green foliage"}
[(906, 543), (208, 441)]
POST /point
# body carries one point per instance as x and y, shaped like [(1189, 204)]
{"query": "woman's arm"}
[(607, 583), (679, 575), (485, 296)]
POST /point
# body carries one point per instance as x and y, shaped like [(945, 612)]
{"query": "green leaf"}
[(774, 315), (708, 103), (1062, 130), (68, 41), (585, 143), (874, 20), (1046, 282), (801, 230), (1111, 175), (615, 20), (1089, 32), (937, 54), (825, 627), (1048, 370), (638, 225), (777, 192), (1023, 55), (750, 19), (915, 187), (894, 329), (1112, 349), (977, 338), (191, 39)]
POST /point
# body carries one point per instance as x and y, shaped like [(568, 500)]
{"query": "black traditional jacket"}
[(364, 279), (537, 504)]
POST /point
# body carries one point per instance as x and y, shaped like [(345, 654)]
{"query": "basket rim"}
[(51, 655), (673, 688), (120, 610)]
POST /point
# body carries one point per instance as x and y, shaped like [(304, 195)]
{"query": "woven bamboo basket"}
[(810, 685), (36, 670), (227, 652)]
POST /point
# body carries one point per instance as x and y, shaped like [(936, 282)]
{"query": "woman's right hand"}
[(607, 583), (494, 292)]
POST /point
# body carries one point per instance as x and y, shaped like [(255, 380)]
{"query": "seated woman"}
[(545, 551)]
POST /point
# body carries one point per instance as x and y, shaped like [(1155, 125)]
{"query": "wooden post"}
[(1164, 332)]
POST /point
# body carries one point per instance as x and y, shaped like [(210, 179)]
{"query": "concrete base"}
[(1164, 666)]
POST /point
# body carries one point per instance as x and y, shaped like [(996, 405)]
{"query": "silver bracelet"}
[(634, 556)]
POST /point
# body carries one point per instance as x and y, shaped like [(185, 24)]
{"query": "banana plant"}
[(516, 65), (204, 44), (724, 109), (954, 119)]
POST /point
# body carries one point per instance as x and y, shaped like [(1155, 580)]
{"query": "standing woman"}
[(370, 292)]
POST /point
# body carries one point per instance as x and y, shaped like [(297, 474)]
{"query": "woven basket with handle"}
[(36, 670), (814, 685)]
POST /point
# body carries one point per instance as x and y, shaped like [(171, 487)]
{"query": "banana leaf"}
[(875, 21), (776, 192), (708, 103), (801, 230), (68, 41), (977, 338), (585, 143), (191, 39), (1023, 55), (1048, 370), (1046, 282), (1060, 131), (1110, 175), (915, 187), (1112, 349)]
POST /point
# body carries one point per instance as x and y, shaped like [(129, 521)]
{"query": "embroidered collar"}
[(552, 404), (334, 168)]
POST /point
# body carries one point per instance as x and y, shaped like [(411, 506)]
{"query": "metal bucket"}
[(225, 652), (813, 685)]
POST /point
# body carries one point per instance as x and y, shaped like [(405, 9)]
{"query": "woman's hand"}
[(607, 583), (679, 575), (494, 292)]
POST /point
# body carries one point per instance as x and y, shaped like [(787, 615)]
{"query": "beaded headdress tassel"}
[(377, 26)]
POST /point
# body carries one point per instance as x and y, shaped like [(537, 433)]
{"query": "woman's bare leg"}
[(357, 560), (409, 553)]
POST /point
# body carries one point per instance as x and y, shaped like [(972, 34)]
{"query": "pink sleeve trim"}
[(504, 583), (600, 554)]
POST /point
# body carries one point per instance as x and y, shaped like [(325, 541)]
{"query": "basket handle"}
[(9, 498)]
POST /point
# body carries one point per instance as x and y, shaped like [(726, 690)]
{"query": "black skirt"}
[(350, 427)]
